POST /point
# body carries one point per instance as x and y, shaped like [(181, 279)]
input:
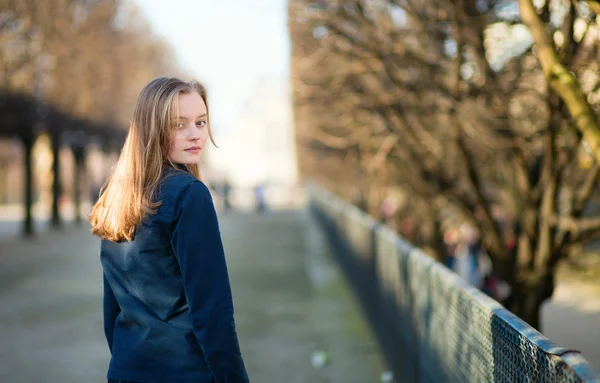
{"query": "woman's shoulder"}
[(175, 183), (175, 178), (191, 195), (171, 184)]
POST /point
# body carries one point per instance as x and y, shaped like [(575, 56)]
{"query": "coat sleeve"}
[(196, 241), (111, 310)]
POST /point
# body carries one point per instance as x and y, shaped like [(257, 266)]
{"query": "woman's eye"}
[(201, 123), (180, 125)]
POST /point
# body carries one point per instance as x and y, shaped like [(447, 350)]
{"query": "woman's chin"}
[(190, 159)]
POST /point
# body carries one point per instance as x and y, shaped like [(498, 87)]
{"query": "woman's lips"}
[(194, 149)]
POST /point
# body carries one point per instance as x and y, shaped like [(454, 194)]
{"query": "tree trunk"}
[(56, 187), (27, 139), (77, 189), (525, 301), (4, 193), (438, 246)]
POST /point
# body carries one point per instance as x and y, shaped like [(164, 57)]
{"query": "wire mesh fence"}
[(433, 326)]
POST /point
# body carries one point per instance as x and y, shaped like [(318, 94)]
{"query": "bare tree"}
[(447, 99), (84, 59)]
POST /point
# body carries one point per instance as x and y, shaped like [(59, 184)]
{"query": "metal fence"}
[(432, 326)]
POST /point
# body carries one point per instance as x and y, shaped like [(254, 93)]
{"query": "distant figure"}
[(450, 243), (226, 196), (259, 195), (168, 309), (388, 210), (466, 257)]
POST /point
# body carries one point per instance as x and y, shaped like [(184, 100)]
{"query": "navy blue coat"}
[(168, 310)]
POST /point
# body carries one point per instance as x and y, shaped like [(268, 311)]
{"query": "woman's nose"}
[(193, 132)]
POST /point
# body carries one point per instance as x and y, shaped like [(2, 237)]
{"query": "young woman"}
[(168, 311)]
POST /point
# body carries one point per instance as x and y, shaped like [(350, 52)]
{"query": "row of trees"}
[(88, 58), (486, 110), (73, 69)]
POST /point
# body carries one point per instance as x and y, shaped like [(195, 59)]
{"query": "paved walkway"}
[(290, 301), (571, 319)]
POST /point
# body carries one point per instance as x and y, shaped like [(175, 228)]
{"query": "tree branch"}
[(560, 79), (576, 227)]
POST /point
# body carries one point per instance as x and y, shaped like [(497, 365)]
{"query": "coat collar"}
[(175, 166)]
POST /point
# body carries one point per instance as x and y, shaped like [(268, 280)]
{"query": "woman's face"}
[(191, 130)]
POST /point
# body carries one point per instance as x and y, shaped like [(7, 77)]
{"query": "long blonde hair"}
[(128, 194)]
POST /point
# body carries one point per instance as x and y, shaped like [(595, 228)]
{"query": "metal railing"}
[(433, 326)]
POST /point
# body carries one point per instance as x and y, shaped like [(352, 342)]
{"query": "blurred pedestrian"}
[(466, 256), (388, 209), (450, 244), (259, 196), (226, 196), (168, 310)]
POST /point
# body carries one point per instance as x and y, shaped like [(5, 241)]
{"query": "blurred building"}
[(259, 148)]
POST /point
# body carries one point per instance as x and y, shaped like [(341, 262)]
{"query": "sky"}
[(229, 45)]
